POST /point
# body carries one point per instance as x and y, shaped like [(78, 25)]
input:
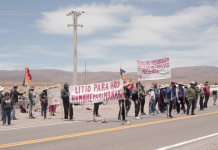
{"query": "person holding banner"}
[(122, 101), (135, 98), (95, 112), (65, 97), (170, 97), (14, 97)]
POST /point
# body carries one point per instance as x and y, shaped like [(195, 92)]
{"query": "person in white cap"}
[(1, 97), (191, 94), (14, 97), (44, 102), (31, 98)]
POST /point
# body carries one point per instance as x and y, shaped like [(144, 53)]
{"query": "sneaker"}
[(193, 114), (143, 113), (9, 124), (168, 117), (137, 118), (207, 107), (178, 101), (5, 125), (171, 116), (158, 112), (214, 104), (118, 120), (14, 118), (94, 115), (178, 113), (98, 115), (42, 118), (46, 117)]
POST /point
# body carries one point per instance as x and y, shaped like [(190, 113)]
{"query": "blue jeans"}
[(152, 108), (201, 103), (13, 112), (30, 110), (44, 108), (7, 113), (191, 102)]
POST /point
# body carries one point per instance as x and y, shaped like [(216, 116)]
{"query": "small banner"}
[(95, 93), (27, 78), (154, 69), (54, 95)]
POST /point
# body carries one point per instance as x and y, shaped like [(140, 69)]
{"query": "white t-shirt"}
[(152, 93)]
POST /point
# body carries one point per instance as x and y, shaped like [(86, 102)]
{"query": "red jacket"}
[(207, 90)]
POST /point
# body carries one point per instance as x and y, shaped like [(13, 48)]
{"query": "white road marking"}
[(187, 142), (37, 126)]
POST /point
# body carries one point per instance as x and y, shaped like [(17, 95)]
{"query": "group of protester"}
[(168, 97)]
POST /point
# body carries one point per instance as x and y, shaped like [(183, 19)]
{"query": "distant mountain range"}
[(182, 74)]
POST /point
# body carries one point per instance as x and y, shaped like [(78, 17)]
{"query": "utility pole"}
[(75, 15)]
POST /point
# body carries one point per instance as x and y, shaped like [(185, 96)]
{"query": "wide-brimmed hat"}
[(180, 83), (1, 88), (32, 87), (166, 85), (185, 85), (126, 84), (152, 87), (15, 85), (45, 88), (193, 82), (162, 87), (201, 85)]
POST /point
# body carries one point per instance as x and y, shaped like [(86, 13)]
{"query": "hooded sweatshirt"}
[(64, 93), (168, 94), (14, 95), (191, 93), (6, 104)]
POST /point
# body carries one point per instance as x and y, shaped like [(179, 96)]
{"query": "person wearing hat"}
[(181, 98), (185, 93), (152, 108), (44, 102), (207, 93), (66, 102), (7, 107), (191, 95), (170, 97), (14, 97), (1, 97), (122, 101), (31, 98), (135, 98), (142, 99)]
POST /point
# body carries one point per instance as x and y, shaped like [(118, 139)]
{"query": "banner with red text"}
[(94, 93), (154, 69)]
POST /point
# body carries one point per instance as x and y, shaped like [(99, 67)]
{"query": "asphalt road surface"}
[(151, 132)]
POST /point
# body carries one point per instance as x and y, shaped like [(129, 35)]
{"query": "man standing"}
[(142, 99), (122, 101), (1, 97), (7, 106), (31, 98), (207, 93), (191, 94), (14, 97), (181, 98), (170, 97), (201, 97), (65, 97), (135, 98), (214, 96)]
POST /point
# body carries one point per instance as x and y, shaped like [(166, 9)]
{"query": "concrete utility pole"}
[(75, 15)]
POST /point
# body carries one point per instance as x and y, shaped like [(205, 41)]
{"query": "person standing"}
[(31, 98), (135, 98), (157, 95), (142, 99), (214, 96), (196, 100), (152, 108), (14, 97), (44, 102), (207, 93), (181, 98), (191, 94), (1, 97), (201, 97), (185, 90), (170, 97), (7, 107), (122, 101), (66, 102)]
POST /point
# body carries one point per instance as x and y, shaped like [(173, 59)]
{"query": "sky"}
[(35, 33)]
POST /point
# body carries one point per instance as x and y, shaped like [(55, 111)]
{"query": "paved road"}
[(151, 132)]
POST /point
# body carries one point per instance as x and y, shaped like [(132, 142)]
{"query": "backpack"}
[(214, 92), (22, 110)]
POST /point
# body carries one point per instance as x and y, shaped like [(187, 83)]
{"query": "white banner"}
[(98, 92), (154, 69), (54, 95)]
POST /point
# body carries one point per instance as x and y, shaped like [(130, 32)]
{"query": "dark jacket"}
[(1, 97), (64, 93), (7, 104), (14, 95), (126, 93), (134, 94)]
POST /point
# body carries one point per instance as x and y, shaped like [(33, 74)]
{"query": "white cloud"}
[(8, 66)]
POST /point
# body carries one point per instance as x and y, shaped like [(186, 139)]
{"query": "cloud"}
[(204, 2), (4, 30), (8, 66)]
